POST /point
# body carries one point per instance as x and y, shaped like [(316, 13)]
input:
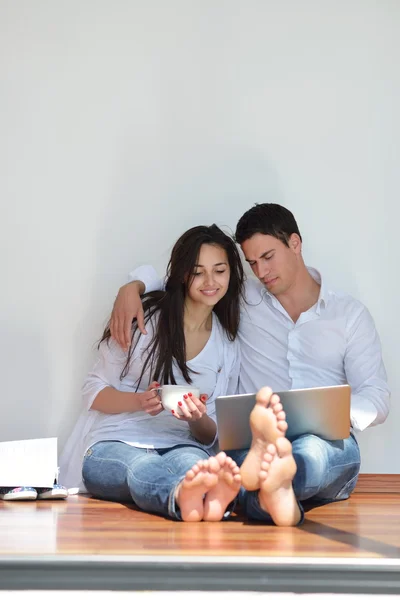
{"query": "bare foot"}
[(267, 423), (225, 491), (191, 491), (276, 493)]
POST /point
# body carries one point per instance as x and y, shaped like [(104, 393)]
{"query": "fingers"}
[(153, 386), (120, 330), (152, 402), (125, 330), (186, 413), (112, 325), (127, 306), (193, 402), (117, 321), (115, 329), (153, 406), (140, 321), (192, 408), (155, 411)]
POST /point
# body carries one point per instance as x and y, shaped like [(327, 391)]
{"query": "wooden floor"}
[(366, 526)]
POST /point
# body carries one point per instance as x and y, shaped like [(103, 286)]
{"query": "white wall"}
[(124, 122)]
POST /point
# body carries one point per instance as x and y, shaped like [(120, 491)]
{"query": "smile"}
[(209, 292)]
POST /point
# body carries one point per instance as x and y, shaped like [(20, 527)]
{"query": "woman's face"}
[(210, 278)]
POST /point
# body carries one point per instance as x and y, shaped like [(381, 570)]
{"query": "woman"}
[(126, 447)]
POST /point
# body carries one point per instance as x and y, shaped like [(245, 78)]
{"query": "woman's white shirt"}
[(217, 370)]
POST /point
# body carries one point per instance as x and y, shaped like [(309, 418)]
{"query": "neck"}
[(301, 295), (197, 317)]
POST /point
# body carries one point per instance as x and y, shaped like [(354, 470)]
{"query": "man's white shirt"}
[(333, 343)]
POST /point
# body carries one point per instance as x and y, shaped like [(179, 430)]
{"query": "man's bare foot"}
[(267, 423), (227, 488), (191, 491), (276, 495)]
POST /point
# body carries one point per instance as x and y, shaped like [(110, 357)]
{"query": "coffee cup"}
[(171, 395)]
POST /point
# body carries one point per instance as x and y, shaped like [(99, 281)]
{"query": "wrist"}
[(203, 419), (138, 286), (134, 402)]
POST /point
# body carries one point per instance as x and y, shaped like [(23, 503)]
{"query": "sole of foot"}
[(267, 423), (276, 495), (199, 480), (225, 491)]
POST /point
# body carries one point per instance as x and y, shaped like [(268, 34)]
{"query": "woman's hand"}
[(150, 401), (193, 408)]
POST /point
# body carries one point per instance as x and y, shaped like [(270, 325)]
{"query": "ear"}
[(295, 243)]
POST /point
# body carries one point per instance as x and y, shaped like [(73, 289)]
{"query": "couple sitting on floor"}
[(212, 329)]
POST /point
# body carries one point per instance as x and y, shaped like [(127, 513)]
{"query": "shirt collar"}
[(323, 293)]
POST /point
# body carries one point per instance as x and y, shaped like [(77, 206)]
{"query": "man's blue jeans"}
[(326, 472), (122, 473)]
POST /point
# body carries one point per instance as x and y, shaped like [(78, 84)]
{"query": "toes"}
[(282, 426), (271, 449), (274, 400), (268, 457), (221, 458), (231, 465), (213, 464), (265, 464), (264, 396), (281, 415), (283, 446), (190, 474)]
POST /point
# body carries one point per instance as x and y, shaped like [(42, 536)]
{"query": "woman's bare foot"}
[(276, 495), (267, 423), (227, 488), (199, 480)]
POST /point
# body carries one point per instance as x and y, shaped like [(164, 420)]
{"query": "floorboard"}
[(84, 533), (367, 525)]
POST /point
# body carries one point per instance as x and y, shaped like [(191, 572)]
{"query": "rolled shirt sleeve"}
[(147, 275), (366, 373), (105, 373)]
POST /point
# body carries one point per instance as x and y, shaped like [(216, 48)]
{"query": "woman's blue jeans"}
[(326, 472), (116, 471)]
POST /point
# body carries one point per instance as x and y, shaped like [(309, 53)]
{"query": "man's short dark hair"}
[(268, 219)]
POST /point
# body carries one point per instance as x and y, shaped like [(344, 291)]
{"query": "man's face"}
[(274, 263)]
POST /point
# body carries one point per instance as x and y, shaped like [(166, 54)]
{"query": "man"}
[(295, 332)]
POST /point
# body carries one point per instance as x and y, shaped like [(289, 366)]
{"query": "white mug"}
[(172, 394)]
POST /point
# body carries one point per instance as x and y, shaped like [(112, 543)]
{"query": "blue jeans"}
[(122, 473), (326, 472)]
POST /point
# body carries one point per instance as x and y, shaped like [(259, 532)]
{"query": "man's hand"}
[(150, 400), (127, 306)]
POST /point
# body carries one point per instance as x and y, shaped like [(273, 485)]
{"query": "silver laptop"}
[(323, 411)]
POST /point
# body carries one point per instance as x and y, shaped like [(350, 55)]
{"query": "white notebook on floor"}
[(31, 463)]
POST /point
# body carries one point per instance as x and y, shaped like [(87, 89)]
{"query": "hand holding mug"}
[(183, 401), (191, 407), (150, 400)]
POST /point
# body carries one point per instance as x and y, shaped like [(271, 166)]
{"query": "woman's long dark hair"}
[(168, 346)]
